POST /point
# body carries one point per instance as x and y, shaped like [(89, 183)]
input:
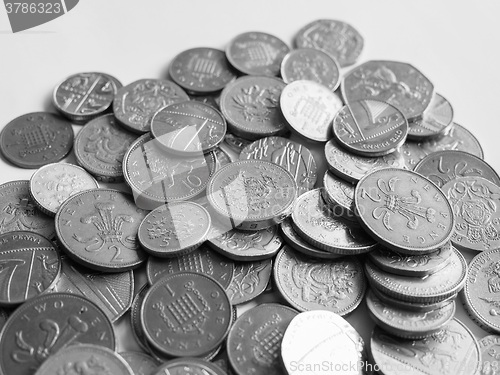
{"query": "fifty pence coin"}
[(136, 103), (370, 128), (98, 228), (43, 326), (436, 120), (490, 350), (201, 70), (140, 363), (29, 265), (182, 366), (306, 283), (36, 139), (52, 184), (339, 194), (338, 39), (100, 146), (250, 279), (309, 109), (254, 342), (186, 314)]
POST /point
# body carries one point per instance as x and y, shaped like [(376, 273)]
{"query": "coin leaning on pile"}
[(224, 207)]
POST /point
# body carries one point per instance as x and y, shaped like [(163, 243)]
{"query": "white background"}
[(455, 43)]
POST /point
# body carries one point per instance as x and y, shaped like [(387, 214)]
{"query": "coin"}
[(309, 109), (292, 156), (222, 158), (48, 323), (256, 53), (136, 103), (188, 128), (338, 39), (251, 107), (370, 128), (252, 194), (253, 344), (489, 346), (436, 120), (193, 366), (140, 363), (186, 314), (399, 84), (36, 139), (316, 224), (29, 265), (98, 228), (83, 96), (475, 203), (85, 359), (321, 337), (406, 323), (432, 288), (443, 166), (202, 261), (306, 282), (174, 229), (135, 320), (113, 79), (311, 64), (236, 143), (453, 350), (53, 183), (250, 279), (100, 146), (112, 292), (339, 194), (352, 167), (212, 99)]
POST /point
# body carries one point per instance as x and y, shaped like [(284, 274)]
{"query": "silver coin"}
[(436, 120), (140, 363), (250, 279), (339, 194), (490, 358), (236, 143)]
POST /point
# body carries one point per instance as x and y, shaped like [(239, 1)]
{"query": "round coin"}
[(370, 128), (306, 283), (253, 344), (140, 363), (436, 120), (188, 128), (309, 109), (490, 346), (136, 103), (98, 228), (201, 70), (338, 39), (339, 194), (52, 184), (186, 314), (250, 279), (36, 139), (251, 106), (44, 325), (315, 222), (193, 366), (100, 146), (236, 143)]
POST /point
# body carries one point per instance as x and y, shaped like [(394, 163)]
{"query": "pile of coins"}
[(219, 197)]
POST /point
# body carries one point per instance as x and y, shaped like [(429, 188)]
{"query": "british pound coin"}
[(251, 106), (338, 39), (188, 128), (292, 156), (404, 211), (85, 359), (252, 194), (29, 265), (184, 366), (436, 120), (442, 167), (201, 70), (352, 167), (339, 194), (309, 109), (36, 139), (236, 143), (306, 283), (254, 342), (19, 212), (452, 350), (313, 65), (98, 228), (476, 207), (43, 326), (140, 363), (490, 355), (202, 261), (100, 146), (136, 103), (315, 223), (52, 184), (256, 53), (186, 314), (370, 128), (250, 279), (322, 337), (174, 229)]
